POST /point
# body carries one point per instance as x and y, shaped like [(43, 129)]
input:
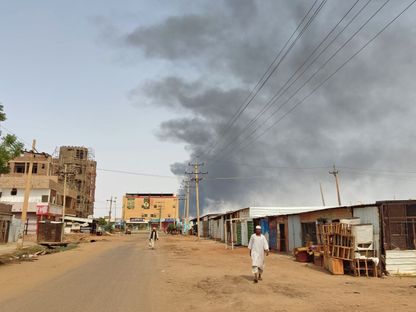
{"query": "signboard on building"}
[(130, 203), (42, 209), (136, 219), (146, 203)]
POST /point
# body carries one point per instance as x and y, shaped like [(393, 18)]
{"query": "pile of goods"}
[(348, 247)]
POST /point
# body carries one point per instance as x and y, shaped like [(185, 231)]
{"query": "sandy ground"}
[(123, 275), (209, 278)]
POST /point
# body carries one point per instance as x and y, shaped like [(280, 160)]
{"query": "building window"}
[(13, 192), (45, 198), (35, 168), (168, 215), (80, 154), (19, 168), (1, 193), (155, 206)]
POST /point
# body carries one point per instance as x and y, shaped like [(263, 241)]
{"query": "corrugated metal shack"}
[(393, 225), (240, 224), (398, 235)]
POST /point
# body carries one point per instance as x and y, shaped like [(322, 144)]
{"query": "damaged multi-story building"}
[(46, 189), (82, 168), (47, 184)]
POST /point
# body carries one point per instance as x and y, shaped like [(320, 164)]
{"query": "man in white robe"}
[(258, 246)]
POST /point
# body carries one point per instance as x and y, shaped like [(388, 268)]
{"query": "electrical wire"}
[(285, 87), (269, 72), (336, 71), (138, 173)]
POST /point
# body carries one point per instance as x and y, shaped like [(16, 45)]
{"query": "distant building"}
[(80, 161), (46, 189), (148, 209)]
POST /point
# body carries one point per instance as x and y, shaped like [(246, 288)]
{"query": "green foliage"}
[(2, 113), (101, 222), (10, 147)]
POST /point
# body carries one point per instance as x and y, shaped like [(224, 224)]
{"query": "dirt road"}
[(123, 275)]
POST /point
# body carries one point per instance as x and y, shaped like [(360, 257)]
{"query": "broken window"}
[(79, 154), (13, 192)]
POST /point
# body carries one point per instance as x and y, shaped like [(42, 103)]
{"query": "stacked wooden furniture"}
[(349, 245), (338, 245), (365, 267)]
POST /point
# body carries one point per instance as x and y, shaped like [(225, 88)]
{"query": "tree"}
[(10, 147)]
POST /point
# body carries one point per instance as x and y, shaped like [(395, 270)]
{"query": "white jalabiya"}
[(258, 245)]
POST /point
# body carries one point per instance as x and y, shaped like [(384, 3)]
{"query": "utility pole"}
[(64, 199), (115, 209), (196, 178), (160, 216), (335, 173), (111, 201), (27, 193), (65, 173), (187, 205), (322, 194)]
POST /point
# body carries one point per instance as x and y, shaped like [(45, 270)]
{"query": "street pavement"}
[(118, 279)]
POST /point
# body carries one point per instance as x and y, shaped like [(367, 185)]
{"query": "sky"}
[(153, 85)]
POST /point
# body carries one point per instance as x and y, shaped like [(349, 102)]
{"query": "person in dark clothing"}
[(153, 237)]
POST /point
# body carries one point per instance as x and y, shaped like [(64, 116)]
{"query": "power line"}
[(334, 73), (355, 171), (138, 173), (269, 72), (285, 87), (314, 74)]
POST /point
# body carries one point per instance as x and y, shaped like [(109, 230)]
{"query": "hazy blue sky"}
[(150, 84), (62, 84)]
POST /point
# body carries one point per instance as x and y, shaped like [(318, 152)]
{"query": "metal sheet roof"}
[(259, 212)]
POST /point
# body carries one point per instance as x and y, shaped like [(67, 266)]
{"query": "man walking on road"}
[(258, 246), (153, 237)]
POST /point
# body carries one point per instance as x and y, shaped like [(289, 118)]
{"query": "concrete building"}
[(46, 188), (83, 168), (144, 209)]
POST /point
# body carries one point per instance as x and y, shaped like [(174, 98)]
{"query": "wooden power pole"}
[(335, 173), (27, 193), (111, 201), (322, 194), (196, 177)]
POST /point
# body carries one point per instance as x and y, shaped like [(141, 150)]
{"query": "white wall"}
[(34, 197), (370, 215)]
